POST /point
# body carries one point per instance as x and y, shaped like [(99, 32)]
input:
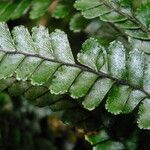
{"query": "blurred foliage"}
[(26, 127)]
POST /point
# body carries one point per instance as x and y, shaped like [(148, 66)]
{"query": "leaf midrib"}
[(83, 68)]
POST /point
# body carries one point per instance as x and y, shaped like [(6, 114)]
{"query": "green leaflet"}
[(147, 74), (136, 63), (113, 17), (84, 4), (144, 115), (39, 7), (15, 9), (61, 47), (133, 19), (46, 62), (20, 9), (109, 145), (138, 34), (42, 41), (4, 84), (91, 54), (18, 88), (26, 68), (96, 11), (23, 40), (117, 60), (143, 12), (35, 91), (80, 88), (61, 11), (141, 45), (99, 137), (8, 60), (133, 100), (6, 41), (61, 83), (103, 141), (117, 98), (6, 13), (78, 23), (127, 25), (97, 93), (44, 72), (3, 6)]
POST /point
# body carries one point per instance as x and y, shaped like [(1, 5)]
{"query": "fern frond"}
[(114, 75), (119, 13), (15, 9)]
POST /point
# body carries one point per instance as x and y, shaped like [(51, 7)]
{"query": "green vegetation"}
[(93, 72)]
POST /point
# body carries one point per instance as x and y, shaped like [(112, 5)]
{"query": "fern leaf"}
[(120, 13), (114, 75), (15, 9)]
